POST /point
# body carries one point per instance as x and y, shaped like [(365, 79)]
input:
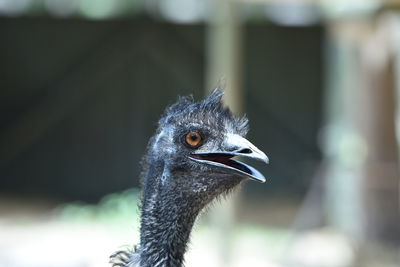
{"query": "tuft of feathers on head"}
[(209, 109), (181, 103)]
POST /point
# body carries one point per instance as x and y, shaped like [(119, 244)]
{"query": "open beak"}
[(234, 145)]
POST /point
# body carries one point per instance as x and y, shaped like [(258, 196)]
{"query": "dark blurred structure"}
[(80, 99)]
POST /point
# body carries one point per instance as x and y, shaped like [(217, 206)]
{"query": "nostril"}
[(245, 151)]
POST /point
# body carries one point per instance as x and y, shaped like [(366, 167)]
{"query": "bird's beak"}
[(234, 145)]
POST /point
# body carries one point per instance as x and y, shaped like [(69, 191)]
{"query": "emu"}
[(189, 163)]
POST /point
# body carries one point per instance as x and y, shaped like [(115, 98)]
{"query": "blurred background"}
[(83, 83)]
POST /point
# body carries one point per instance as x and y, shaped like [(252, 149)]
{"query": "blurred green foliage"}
[(116, 208)]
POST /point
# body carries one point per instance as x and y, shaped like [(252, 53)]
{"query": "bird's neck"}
[(168, 215)]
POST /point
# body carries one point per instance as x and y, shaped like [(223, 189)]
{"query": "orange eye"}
[(193, 139)]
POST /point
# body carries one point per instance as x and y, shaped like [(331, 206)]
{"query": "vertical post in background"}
[(344, 149), (361, 147), (376, 116), (224, 55), (224, 52)]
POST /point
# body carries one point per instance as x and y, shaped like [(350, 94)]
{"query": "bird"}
[(189, 163)]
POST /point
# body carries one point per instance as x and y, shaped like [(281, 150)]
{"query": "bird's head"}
[(196, 141)]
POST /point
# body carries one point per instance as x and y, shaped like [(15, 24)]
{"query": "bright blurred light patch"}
[(61, 8), (183, 11), (293, 13), (337, 8), (14, 7), (353, 149), (323, 248), (348, 146), (99, 9)]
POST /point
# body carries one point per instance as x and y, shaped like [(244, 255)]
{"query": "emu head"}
[(194, 147)]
